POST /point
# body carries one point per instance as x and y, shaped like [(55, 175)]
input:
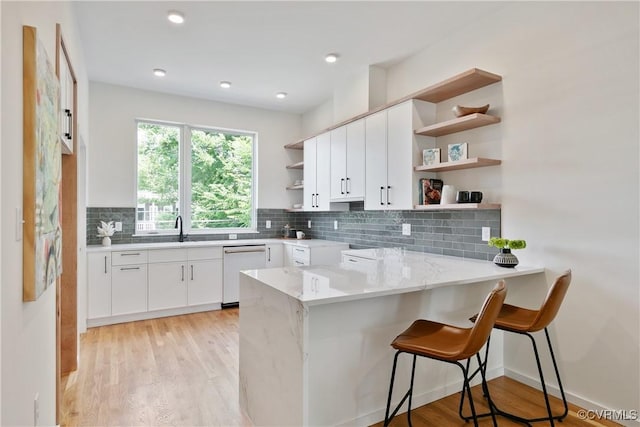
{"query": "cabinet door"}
[(205, 282), (128, 289), (400, 156), (275, 256), (288, 255), (99, 285), (339, 163), (310, 174), (167, 285), (376, 161), (323, 177), (354, 184)]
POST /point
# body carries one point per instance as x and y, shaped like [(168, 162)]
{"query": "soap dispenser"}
[(285, 231)]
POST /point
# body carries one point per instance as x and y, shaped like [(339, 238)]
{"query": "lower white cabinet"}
[(274, 255), (315, 252), (204, 284), (99, 285), (128, 289), (167, 285), (134, 285)]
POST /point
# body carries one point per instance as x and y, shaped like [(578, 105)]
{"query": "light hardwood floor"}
[(183, 371)]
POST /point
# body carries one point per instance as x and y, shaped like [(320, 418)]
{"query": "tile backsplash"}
[(446, 232)]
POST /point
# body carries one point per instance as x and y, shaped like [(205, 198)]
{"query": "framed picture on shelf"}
[(457, 152), (431, 156)]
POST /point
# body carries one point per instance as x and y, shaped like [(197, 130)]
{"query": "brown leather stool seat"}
[(526, 321), (446, 343)]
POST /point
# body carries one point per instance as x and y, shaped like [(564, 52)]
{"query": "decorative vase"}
[(106, 241), (505, 259)]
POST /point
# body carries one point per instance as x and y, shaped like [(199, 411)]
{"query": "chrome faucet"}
[(181, 236)]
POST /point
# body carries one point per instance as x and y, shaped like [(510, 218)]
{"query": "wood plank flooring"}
[(183, 371)]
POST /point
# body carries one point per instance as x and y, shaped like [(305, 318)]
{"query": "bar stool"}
[(524, 321), (446, 343)]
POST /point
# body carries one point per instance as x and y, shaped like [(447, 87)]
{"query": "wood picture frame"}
[(42, 167)]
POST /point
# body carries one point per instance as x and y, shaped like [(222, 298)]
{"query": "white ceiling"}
[(261, 47)]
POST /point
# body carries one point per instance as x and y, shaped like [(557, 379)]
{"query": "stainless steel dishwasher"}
[(236, 259)]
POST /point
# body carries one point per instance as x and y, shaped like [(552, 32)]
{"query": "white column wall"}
[(569, 177), (112, 155), (28, 329)]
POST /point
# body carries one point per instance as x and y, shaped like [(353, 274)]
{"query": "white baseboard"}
[(554, 390), (102, 321), (420, 399)]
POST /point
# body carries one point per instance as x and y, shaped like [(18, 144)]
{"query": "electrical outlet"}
[(233, 236), (36, 410), (118, 226), (486, 234), (309, 224), (406, 229), (267, 224), (335, 225)]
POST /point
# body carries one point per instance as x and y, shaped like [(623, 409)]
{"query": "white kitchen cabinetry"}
[(314, 253), (205, 276), (391, 150), (348, 162), (99, 285), (317, 179), (167, 279), (135, 285), (67, 100), (274, 256), (128, 289), (288, 255)]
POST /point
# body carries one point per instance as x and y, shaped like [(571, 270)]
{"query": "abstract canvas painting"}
[(42, 170)]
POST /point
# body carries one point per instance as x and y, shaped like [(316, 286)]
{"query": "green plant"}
[(500, 243)]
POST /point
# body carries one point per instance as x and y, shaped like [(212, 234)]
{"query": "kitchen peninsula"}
[(314, 341)]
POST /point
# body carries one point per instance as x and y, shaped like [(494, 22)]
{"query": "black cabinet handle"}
[(346, 187), (381, 190), (105, 264), (388, 198), (341, 185), (69, 123)]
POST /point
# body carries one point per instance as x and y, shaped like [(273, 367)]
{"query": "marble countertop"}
[(390, 271), (208, 243)]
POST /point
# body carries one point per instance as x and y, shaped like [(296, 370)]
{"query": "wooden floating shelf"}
[(459, 124), (475, 162), (299, 165), (295, 187), (299, 145), (457, 85), (457, 206)]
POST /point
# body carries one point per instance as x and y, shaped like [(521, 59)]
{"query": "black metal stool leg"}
[(413, 373), (408, 394), (483, 372), (467, 386), (387, 420), (544, 387), (555, 367)]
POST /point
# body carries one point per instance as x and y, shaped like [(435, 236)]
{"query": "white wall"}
[(112, 152), (28, 329), (318, 118), (569, 178)]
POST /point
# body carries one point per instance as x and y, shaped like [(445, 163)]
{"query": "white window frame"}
[(184, 179)]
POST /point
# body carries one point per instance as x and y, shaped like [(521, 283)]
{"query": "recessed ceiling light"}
[(331, 58), (225, 84), (281, 95), (175, 17), (159, 72)]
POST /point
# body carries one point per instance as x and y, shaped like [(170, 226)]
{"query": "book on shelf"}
[(430, 191)]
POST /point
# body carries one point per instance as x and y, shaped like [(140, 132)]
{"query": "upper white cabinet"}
[(317, 163), (347, 162), (67, 101), (391, 150)]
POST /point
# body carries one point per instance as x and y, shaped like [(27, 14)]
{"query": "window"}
[(213, 191)]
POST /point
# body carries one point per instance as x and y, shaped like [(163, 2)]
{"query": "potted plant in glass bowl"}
[(505, 258)]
